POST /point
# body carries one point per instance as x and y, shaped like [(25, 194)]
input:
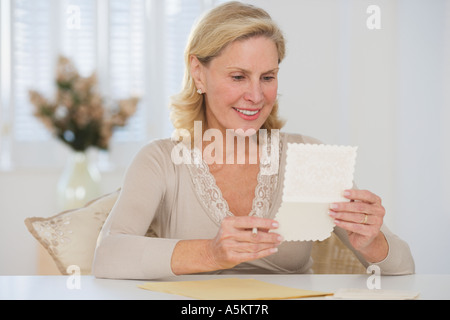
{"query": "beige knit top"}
[(182, 201)]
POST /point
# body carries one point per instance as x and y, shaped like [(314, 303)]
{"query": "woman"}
[(214, 215)]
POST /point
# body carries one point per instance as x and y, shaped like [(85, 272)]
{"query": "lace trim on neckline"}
[(211, 196)]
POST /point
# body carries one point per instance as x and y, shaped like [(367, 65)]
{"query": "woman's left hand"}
[(362, 218)]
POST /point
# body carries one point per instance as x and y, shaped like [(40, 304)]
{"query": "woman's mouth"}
[(248, 114)]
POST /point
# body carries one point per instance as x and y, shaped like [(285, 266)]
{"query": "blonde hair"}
[(220, 27)]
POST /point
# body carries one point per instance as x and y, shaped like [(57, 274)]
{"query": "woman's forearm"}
[(192, 256), (235, 243), (377, 251)]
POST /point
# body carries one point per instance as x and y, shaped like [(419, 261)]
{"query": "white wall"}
[(338, 81), (386, 91), (422, 136)]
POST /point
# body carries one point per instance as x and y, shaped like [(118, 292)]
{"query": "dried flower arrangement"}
[(78, 115)]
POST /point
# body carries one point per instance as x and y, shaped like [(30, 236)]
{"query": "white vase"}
[(79, 182)]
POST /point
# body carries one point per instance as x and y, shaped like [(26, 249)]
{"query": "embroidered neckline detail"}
[(211, 196)]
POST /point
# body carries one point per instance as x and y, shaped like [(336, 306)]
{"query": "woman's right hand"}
[(236, 243)]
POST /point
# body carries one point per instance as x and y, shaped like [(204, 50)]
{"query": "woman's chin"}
[(245, 131)]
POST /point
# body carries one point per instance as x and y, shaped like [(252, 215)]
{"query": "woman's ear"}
[(197, 72)]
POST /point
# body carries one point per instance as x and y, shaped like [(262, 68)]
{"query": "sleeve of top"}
[(123, 251), (399, 260)]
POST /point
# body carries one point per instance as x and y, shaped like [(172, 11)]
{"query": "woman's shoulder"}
[(300, 138), (164, 145), (158, 150)]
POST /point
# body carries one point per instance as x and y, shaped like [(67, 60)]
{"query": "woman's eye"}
[(268, 78)]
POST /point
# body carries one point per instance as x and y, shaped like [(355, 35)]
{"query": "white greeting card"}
[(315, 176)]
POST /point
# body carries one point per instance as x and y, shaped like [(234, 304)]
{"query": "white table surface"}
[(435, 287)]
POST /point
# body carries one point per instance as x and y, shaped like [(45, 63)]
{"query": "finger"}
[(254, 247), (237, 253), (362, 229), (263, 237), (250, 222), (251, 229), (362, 195), (361, 218), (357, 207), (248, 256)]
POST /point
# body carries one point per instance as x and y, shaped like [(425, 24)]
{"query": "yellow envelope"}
[(230, 289)]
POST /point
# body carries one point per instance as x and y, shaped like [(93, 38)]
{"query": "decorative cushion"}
[(70, 237)]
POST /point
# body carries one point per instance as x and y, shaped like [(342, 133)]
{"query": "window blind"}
[(32, 64), (180, 16), (78, 33), (41, 31), (127, 63), (111, 37)]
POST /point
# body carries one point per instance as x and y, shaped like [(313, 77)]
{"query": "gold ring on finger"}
[(365, 218)]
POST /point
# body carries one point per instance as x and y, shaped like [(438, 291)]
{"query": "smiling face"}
[(240, 85)]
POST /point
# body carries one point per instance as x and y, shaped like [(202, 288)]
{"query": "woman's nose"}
[(254, 92)]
